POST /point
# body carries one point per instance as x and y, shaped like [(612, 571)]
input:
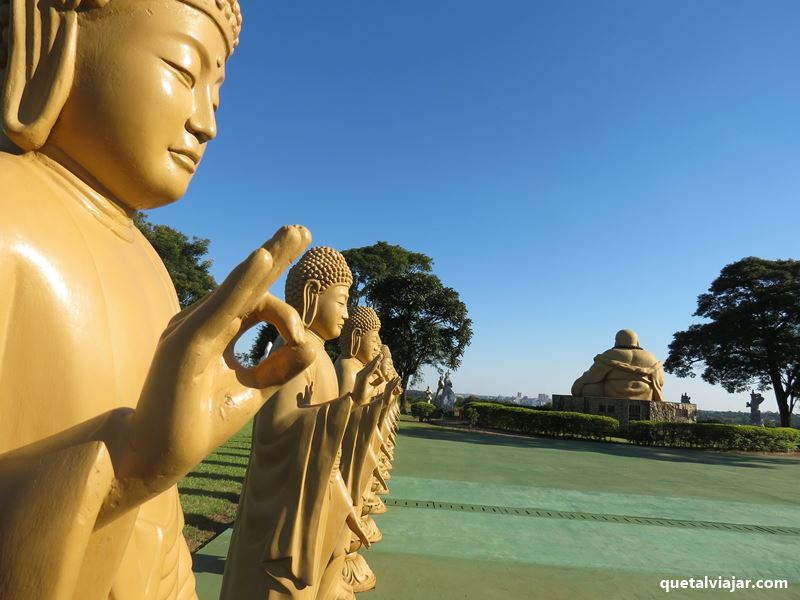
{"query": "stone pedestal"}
[(625, 410)]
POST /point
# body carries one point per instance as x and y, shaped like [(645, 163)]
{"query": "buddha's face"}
[(141, 109), (370, 346), (331, 312)]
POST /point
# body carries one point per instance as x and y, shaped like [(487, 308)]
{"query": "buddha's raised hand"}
[(196, 395), (369, 382)]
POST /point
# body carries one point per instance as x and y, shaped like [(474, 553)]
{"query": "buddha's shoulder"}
[(643, 358), (23, 182), (348, 365), (623, 355), (16, 166), (29, 200)]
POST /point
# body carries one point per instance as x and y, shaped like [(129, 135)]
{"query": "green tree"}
[(752, 337), (372, 263), (184, 258), (422, 321)]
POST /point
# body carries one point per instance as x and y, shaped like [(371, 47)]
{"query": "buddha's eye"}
[(183, 73)]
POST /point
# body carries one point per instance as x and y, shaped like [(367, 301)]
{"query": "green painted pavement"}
[(450, 554)]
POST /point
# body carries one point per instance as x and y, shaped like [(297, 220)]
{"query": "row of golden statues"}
[(321, 454), (109, 394)]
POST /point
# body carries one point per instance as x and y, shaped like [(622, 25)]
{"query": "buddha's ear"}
[(39, 71), (355, 340), (311, 291)]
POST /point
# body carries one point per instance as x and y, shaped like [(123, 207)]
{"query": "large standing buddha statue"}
[(108, 394)]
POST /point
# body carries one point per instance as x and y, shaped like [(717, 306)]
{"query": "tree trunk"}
[(782, 396), (404, 378)]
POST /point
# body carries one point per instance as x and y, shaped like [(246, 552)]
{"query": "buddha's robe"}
[(85, 299), (369, 445), (294, 503), (355, 442), (622, 372)]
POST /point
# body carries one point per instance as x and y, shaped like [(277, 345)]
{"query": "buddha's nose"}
[(203, 123)]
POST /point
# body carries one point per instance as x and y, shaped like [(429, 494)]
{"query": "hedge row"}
[(714, 435), (552, 423), (423, 410)]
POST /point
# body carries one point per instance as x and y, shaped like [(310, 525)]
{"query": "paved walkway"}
[(481, 516)]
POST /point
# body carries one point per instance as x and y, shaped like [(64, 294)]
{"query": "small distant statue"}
[(755, 411), (428, 395), (447, 400), (686, 399), (439, 389)]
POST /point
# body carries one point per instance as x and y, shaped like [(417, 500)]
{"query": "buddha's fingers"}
[(243, 292), (284, 317), (354, 524), (279, 367), (362, 390), (392, 387), (285, 247)]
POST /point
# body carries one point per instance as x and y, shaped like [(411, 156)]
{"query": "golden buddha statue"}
[(294, 503), (382, 446), (624, 371), (107, 108), (359, 343)]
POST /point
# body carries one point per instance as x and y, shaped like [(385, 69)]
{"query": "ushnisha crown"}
[(321, 263), (362, 317), (226, 13)]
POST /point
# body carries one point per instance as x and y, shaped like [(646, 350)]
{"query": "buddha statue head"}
[(122, 93), (626, 338), (387, 364), (360, 335), (318, 287)]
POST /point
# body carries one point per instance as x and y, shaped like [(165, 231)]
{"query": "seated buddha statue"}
[(108, 394), (294, 504), (624, 371)]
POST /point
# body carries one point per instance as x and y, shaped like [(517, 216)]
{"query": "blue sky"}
[(573, 168)]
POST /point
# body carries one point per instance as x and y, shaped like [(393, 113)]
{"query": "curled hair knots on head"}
[(233, 13), (361, 317), (322, 264)]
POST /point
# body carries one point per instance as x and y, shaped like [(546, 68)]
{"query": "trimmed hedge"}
[(714, 436), (543, 422), (423, 411)]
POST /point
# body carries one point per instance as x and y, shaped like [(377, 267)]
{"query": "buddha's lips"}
[(185, 158)]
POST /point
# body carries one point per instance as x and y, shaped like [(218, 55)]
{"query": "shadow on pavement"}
[(202, 563)]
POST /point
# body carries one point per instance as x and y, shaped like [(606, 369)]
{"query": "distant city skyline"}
[(573, 168)]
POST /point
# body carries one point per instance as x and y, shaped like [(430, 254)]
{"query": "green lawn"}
[(210, 493), (477, 515)]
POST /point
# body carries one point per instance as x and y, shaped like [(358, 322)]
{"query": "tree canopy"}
[(267, 334), (752, 336), (184, 258), (371, 263), (422, 321)]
